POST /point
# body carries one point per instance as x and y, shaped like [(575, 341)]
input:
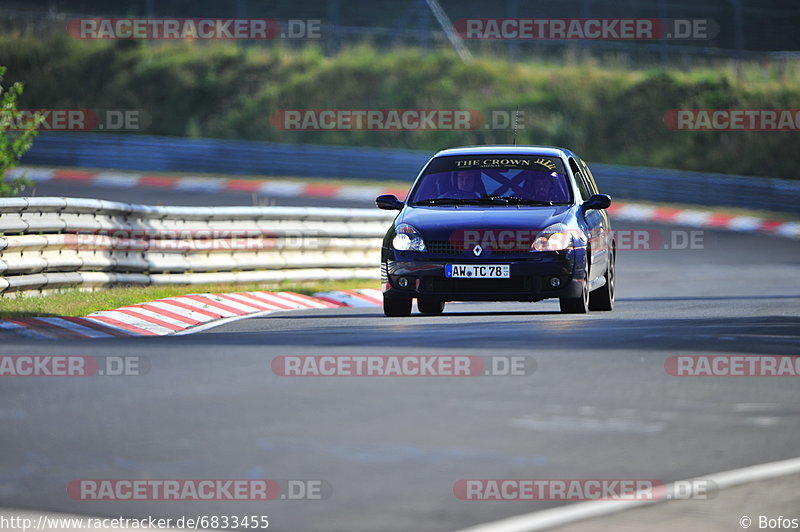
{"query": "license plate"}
[(478, 271)]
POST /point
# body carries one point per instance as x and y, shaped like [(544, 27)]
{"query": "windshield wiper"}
[(448, 201), (513, 200)]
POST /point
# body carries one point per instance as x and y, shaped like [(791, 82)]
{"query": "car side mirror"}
[(388, 202), (597, 202)]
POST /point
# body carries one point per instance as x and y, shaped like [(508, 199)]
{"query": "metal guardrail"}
[(168, 154), (60, 242), (698, 188)]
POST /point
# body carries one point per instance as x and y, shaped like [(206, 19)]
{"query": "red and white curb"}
[(284, 188), (267, 187), (706, 219), (183, 314)]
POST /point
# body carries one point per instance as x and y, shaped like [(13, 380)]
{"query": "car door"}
[(607, 229), (596, 225)]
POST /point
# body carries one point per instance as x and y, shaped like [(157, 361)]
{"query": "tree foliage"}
[(14, 140)]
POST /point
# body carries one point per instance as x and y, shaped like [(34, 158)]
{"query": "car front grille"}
[(457, 247), (445, 247)]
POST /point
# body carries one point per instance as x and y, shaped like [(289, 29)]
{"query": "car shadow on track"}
[(378, 314), (774, 335)]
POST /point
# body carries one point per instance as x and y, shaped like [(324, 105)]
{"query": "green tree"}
[(17, 132)]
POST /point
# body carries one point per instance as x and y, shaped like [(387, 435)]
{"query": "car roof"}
[(506, 149)]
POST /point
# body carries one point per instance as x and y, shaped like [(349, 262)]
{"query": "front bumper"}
[(529, 281)]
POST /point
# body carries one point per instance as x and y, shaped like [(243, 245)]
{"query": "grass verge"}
[(73, 302), (606, 111)]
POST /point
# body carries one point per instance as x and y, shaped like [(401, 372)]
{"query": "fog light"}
[(555, 282), (402, 282)]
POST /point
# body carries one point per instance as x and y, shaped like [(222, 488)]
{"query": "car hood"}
[(441, 222)]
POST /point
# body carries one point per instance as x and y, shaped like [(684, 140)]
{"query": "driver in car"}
[(466, 185), (541, 189)]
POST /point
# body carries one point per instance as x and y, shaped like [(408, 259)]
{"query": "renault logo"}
[(477, 250)]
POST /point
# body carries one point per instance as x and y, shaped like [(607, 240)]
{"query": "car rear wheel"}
[(396, 307), (430, 306), (603, 297), (576, 305)]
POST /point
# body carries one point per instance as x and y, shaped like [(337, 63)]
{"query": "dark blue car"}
[(499, 223)]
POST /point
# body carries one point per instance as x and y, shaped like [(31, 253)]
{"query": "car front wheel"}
[(576, 305), (396, 307), (430, 306), (603, 297)]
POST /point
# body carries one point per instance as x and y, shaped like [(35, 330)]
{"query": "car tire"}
[(603, 297), (576, 305), (396, 307), (430, 306)]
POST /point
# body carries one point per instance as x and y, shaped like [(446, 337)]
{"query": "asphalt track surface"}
[(599, 405)]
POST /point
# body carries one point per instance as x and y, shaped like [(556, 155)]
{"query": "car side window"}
[(579, 179), (589, 177)]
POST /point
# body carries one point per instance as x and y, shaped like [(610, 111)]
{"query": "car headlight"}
[(407, 239), (557, 237)]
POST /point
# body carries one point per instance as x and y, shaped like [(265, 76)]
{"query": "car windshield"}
[(493, 180)]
